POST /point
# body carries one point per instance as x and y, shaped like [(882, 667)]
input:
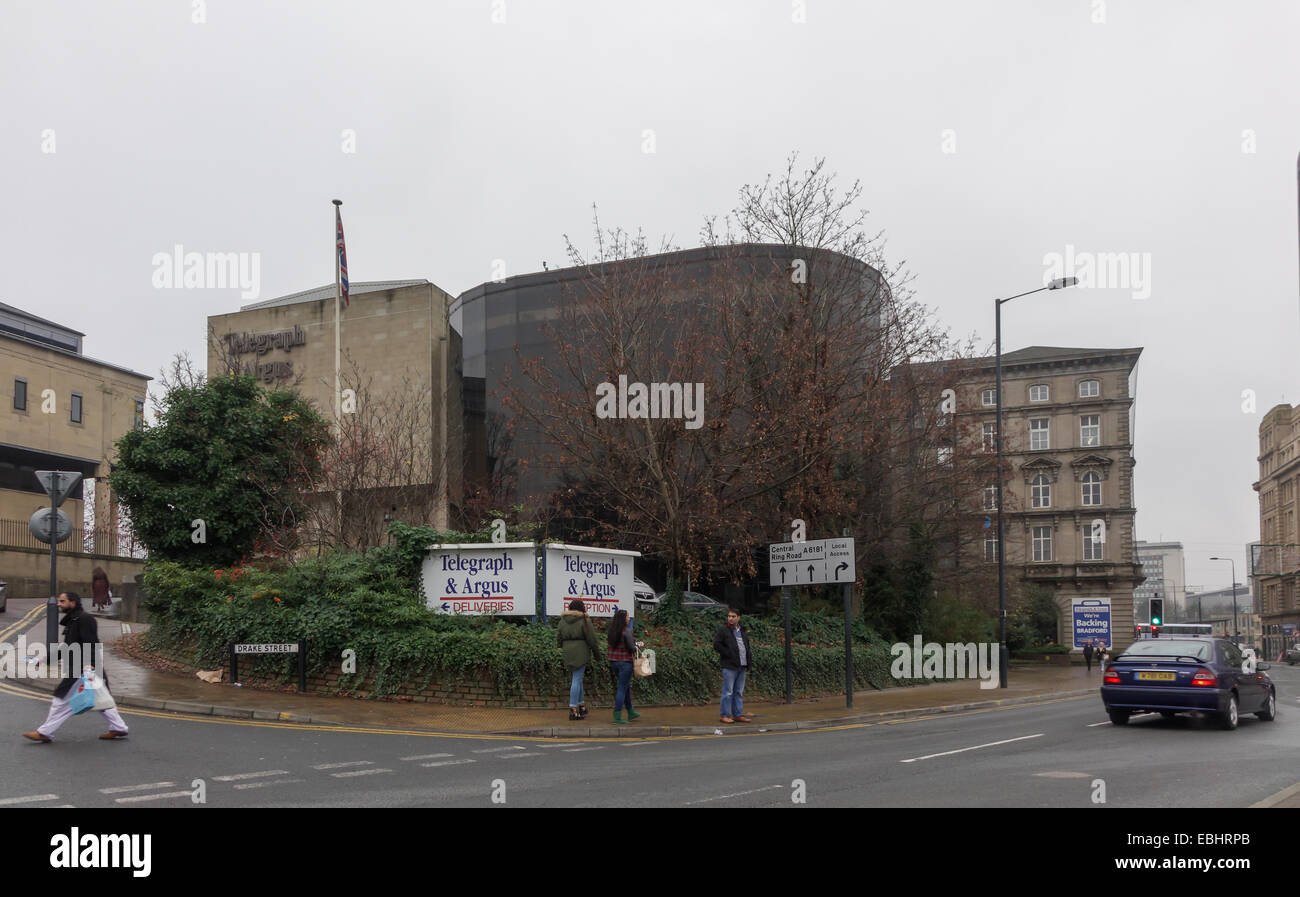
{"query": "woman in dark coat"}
[(99, 589)]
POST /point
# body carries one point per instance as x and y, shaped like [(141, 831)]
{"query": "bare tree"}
[(385, 462)]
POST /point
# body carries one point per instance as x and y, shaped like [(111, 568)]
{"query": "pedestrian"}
[(731, 641), (620, 648), (577, 640), (79, 628), (1087, 654), (100, 593), (1101, 656)]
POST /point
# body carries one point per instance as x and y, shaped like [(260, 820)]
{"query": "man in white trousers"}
[(79, 628)]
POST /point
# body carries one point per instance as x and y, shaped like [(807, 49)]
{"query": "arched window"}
[(1040, 492), (1089, 389), (1091, 486)]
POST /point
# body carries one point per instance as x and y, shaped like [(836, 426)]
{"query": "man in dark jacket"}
[(732, 644), (1087, 654), (79, 628)]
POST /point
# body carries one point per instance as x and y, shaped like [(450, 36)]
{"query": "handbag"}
[(82, 697), (644, 662), (103, 698)]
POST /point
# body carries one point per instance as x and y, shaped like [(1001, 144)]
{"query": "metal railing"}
[(96, 540)]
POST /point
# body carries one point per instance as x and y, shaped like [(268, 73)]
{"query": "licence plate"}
[(1157, 677)]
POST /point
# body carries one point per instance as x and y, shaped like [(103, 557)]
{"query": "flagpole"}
[(338, 386)]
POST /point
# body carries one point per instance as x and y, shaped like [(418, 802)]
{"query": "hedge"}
[(369, 603)]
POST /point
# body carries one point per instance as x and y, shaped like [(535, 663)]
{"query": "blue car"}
[(1186, 675)]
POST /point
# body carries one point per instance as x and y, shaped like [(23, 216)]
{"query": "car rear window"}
[(1169, 648)]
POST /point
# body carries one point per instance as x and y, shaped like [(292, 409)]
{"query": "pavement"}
[(134, 685)]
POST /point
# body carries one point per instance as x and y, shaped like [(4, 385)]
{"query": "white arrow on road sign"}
[(67, 481)]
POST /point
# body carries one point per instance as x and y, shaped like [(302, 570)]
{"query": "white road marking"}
[(1094, 725), (31, 799), (251, 775), (973, 748), (737, 794), (143, 797), (358, 772), (125, 788), (573, 750), (512, 756), (345, 763), (427, 757), (448, 763), (246, 785), (635, 743), (575, 743), (497, 750)]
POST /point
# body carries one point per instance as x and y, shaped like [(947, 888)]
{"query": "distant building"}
[(64, 411), (1215, 606), (1252, 560), (1163, 566)]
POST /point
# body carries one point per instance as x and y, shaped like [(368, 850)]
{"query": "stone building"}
[(1277, 556), (1068, 487), (63, 411), (400, 391)]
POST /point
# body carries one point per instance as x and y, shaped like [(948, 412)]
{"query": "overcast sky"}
[(987, 136)]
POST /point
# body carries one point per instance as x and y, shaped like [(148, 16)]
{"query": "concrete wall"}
[(27, 572)]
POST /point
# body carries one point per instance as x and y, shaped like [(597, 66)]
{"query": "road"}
[(1040, 755)]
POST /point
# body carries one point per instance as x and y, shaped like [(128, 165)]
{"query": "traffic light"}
[(1157, 612)]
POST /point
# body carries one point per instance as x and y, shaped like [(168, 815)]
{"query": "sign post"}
[(789, 655), (57, 484), (848, 636), (820, 562)]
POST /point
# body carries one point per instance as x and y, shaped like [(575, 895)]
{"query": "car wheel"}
[(1228, 719), (1269, 713), (1119, 717)]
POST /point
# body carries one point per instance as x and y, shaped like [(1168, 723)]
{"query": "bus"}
[(1169, 630)]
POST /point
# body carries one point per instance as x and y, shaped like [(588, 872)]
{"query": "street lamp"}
[(1236, 631), (1059, 284)]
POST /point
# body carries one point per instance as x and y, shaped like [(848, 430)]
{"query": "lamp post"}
[(1058, 284), (1236, 630)]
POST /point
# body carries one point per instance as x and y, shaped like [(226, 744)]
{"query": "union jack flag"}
[(343, 256)]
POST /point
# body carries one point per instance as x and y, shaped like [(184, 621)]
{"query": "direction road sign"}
[(811, 563), (67, 481)]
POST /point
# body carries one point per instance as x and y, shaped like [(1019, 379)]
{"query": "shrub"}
[(366, 602)]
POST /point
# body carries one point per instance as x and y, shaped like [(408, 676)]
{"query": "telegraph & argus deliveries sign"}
[(493, 578)]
